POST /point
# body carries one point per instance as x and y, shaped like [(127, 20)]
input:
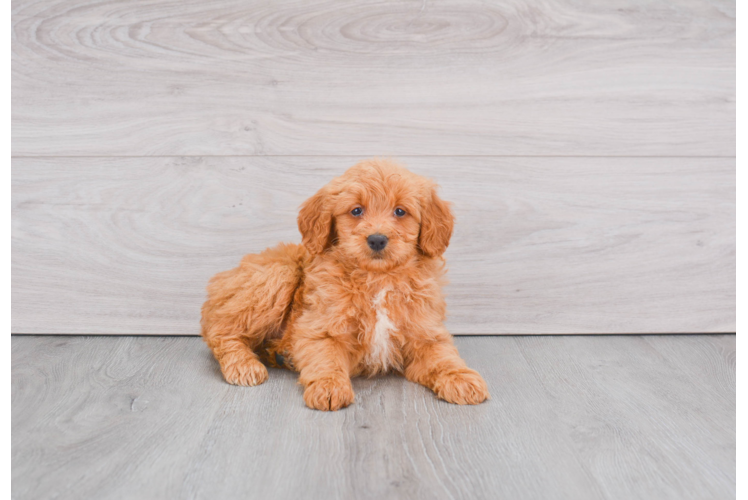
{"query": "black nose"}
[(377, 242)]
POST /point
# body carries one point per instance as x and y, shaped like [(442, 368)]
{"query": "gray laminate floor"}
[(571, 417)]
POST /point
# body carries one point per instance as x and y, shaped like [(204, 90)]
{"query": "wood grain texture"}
[(596, 417), (99, 414), (638, 416), (711, 360), (542, 245), (243, 77)]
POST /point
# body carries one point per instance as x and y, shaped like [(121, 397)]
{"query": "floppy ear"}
[(316, 222), (437, 223)]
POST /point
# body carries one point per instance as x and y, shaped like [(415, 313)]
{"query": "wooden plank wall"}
[(589, 149)]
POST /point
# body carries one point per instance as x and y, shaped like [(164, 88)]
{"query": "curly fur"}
[(332, 308)]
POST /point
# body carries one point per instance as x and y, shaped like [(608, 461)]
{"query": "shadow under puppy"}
[(362, 295)]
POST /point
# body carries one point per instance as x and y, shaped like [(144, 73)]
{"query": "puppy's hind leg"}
[(248, 304), (239, 364)]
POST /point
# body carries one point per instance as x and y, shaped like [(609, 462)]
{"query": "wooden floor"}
[(571, 417)]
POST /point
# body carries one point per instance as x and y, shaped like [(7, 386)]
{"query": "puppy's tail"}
[(251, 302)]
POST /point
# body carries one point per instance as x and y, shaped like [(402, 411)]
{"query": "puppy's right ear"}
[(315, 222)]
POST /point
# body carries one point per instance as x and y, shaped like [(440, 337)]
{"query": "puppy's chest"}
[(381, 335)]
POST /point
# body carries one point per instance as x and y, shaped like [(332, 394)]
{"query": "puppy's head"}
[(377, 214)]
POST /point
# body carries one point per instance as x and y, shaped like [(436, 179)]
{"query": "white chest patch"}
[(379, 353)]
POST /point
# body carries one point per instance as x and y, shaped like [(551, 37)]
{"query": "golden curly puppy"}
[(361, 296)]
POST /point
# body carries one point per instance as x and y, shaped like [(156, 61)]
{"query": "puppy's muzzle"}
[(377, 242)]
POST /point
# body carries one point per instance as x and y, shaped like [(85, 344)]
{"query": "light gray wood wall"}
[(247, 77), (589, 149)]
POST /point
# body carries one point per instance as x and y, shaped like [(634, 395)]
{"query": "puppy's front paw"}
[(328, 394), (244, 371), (464, 387)]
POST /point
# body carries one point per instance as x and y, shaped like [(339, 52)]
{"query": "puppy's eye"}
[(399, 212), (357, 211)]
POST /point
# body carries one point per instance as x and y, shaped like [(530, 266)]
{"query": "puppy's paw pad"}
[(328, 394), (465, 387), (246, 372)]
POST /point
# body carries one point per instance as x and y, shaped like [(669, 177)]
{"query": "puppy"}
[(362, 295)]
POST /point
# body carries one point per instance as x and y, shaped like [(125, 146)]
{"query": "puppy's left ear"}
[(437, 223)]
